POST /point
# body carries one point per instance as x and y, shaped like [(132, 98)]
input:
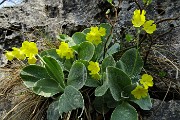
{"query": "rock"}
[(37, 19), (164, 55), (168, 110)]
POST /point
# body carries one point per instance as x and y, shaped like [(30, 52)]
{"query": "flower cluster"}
[(65, 51), (28, 50), (95, 35), (146, 80), (141, 91), (139, 20), (94, 69)]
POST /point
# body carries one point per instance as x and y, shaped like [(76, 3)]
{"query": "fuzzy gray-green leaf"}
[(77, 75)]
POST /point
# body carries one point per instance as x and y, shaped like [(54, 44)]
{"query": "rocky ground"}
[(37, 20)]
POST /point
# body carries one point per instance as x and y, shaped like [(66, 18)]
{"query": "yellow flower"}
[(146, 81), (62, 48), (95, 35), (65, 51), (96, 76), (139, 92), (69, 53), (29, 49), (102, 31), (18, 53), (32, 60), (139, 18), (93, 67), (149, 27), (9, 55)]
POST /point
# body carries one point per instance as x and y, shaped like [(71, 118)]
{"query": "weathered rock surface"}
[(163, 110), (44, 19)]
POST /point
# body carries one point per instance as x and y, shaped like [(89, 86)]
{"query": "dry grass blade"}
[(23, 103)]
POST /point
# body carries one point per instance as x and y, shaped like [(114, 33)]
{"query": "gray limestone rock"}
[(168, 110), (44, 19)]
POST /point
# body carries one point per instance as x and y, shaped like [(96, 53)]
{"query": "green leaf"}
[(110, 1), (87, 30), (79, 37), (100, 47), (51, 53), (117, 80), (162, 73), (147, 2), (100, 105), (72, 44), (85, 62), (144, 103), (68, 64), (103, 103), (32, 73), (113, 49), (132, 61), (64, 37), (124, 112), (108, 28), (90, 82), (46, 87), (110, 101), (127, 91), (109, 61), (86, 51), (75, 47), (101, 90), (98, 53), (71, 99), (53, 111), (129, 37), (54, 70), (77, 75), (121, 65), (135, 79), (108, 35)]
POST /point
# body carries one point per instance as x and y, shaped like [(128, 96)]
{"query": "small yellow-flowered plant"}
[(94, 69), (65, 51), (146, 81), (149, 26), (28, 49), (139, 92), (18, 53), (139, 18), (9, 55), (94, 36)]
